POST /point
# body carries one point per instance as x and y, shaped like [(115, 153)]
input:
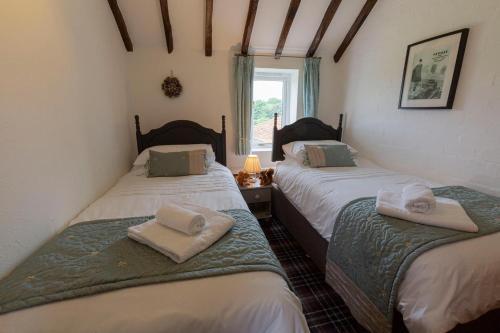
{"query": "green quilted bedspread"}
[(374, 251), (94, 257)]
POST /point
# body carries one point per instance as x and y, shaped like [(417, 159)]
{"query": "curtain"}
[(243, 71), (311, 87)]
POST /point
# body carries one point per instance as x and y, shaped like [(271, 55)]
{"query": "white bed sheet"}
[(246, 302), (451, 284)]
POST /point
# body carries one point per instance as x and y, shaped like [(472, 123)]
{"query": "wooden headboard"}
[(183, 132), (302, 130)]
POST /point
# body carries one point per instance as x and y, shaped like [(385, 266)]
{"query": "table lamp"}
[(252, 166)]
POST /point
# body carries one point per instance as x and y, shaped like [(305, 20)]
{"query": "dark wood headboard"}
[(302, 130), (183, 132)]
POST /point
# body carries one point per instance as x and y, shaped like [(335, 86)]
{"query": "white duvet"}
[(451, 284), (247, 302)]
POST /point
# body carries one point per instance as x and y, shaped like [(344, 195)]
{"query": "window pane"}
[(267, 100)]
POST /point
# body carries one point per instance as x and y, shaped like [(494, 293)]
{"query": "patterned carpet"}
[(324, 309)]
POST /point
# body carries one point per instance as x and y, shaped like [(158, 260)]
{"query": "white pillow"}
[(293, 160), (297, 150), (144, 156)]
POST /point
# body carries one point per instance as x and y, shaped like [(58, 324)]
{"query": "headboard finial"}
[(339, 127), (137, 123), (223, 123), (276, 120), (138, 134)]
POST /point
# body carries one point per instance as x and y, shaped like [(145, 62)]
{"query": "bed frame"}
[(310, 240), (303, 129), (183, 132), (284, 210)]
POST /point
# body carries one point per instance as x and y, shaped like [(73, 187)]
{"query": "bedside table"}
[(258, 199)]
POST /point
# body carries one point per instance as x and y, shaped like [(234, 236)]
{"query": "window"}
[(274, 91)]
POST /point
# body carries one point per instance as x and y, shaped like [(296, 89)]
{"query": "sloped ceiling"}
[(144, 22)]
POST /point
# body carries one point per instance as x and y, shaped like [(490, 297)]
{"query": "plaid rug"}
[(323, 308)]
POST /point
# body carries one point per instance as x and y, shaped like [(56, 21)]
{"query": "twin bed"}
[(448, 285), (256, 301)]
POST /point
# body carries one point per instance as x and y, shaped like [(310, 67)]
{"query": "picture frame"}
[(432, 70)]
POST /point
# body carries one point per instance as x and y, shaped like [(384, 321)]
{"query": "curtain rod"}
[(273, 56)]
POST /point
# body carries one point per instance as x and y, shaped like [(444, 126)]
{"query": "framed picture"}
[(431, 72)]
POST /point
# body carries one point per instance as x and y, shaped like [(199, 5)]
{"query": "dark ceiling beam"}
[(209, 9), (325, 23), (166, 25), (292, 10), (252, 11), (365, 11), (120, 21)]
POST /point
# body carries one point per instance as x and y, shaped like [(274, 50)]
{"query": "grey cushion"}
[(329, 156), (193, 162)]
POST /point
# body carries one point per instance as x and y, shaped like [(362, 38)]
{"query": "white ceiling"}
[(143, 18)]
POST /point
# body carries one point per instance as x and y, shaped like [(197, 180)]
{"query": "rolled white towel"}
[(177, 245), (180, 219), (418, 198), (447, 214)]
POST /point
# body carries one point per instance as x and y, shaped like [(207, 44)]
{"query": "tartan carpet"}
[(323, 308)]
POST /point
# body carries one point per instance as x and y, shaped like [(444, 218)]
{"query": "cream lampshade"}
[(252, 165)]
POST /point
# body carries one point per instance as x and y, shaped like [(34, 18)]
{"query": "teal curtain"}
[(310, 94), (244, 68)]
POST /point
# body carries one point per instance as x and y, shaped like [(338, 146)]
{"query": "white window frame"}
[(289, 78)]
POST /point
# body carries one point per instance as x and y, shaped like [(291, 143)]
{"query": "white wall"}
[(64, 126), (207, 80), (207, 90), (461, 146)]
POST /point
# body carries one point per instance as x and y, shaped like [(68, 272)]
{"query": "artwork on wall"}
[(171, 86), (431, 72)]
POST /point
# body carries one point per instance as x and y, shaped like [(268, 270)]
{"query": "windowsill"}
[(261, 149)]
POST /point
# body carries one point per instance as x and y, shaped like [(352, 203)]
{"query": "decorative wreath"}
[(171, 86)]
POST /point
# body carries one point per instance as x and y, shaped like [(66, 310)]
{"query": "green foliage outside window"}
[(264, 110)]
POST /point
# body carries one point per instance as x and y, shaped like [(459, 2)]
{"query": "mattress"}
[(451, 284), (245, 302)]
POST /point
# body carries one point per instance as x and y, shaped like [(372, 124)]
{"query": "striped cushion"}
[(193, 162), (329, 156)]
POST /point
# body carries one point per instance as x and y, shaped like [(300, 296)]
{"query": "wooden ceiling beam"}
[(209, 9), (120, 21), (365, 11), (252, 12), (325, 23), (292, 10), (166, 25)]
